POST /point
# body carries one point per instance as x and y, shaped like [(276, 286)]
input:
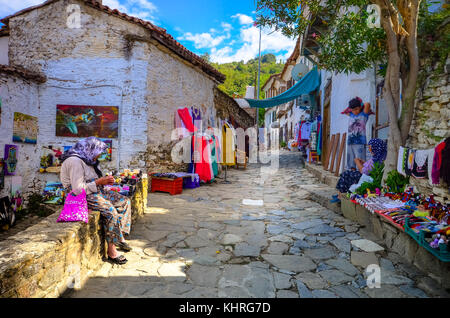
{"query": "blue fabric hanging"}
[(307, 84)]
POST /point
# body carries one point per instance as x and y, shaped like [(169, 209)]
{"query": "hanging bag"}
[(75, 208)]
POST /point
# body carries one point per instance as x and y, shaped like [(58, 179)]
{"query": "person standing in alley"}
[(356, 136)]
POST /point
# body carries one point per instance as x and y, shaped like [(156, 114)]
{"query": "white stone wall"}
[(95, 65), (4, 40), (18, 95)]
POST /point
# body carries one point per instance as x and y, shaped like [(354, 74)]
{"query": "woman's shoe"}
[(124, 246), (335, 199), (120, 260)]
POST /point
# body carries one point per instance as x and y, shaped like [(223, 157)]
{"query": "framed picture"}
[(86, 121), (16, 193), (25, 128), (10, 160)]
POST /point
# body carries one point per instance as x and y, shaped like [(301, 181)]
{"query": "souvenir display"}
[(10, 160), (125, 181), (25, 128)]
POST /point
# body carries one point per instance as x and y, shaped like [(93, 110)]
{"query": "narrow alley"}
[(206, 243)]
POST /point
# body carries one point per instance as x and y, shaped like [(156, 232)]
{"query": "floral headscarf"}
[(379, 150), (87, 150)]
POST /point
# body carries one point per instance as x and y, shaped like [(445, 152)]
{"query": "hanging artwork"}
[(16, 193), (25, 128), (10, 160), (50, 158), (107, 155), (2, 174), (53, 193), (86, 121)]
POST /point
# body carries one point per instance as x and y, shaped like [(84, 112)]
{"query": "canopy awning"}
[(309, 83)]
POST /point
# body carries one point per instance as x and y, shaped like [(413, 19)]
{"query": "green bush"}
[(377, 176), (396, 182)]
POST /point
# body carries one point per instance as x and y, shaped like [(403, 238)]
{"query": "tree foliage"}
[(347, 42), (239, 75)]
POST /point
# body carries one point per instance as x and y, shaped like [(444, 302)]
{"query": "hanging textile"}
[(202, 158), (187, 119), (445, 162), (228, 145), (420, 166), (437, 161), (214, 152), (307, 84), (401, 160), (197, 117), (319, 139)]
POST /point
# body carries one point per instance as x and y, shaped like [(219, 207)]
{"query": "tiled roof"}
[(294, 56), (157, 33), (24, 73)]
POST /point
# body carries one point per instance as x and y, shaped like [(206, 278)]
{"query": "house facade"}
[(92, 55)]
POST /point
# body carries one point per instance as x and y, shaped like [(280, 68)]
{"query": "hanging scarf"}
[(88, 150), (445, 163), (379, 150)]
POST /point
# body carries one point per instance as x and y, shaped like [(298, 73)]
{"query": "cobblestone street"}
[(207, 243)]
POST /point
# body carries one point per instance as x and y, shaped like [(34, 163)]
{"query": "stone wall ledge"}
[(394, 239), (399, 242), (49, 258)]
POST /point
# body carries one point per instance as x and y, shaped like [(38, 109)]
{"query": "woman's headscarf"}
[(87, 150), (379, 150)]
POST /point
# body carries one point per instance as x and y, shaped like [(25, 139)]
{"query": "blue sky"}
[(223, 28)]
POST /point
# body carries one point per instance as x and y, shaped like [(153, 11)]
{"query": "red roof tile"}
[(156, 32)]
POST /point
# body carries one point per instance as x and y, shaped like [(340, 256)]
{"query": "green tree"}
[(239, 75), (348, 43)]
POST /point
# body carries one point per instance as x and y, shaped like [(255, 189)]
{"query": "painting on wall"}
[(50, 158), (86, 121), (25, 128), (53, 193), (107, 155), (16, 193), (10, 160)]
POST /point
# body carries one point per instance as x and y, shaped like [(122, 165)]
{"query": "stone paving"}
[(206, 243)]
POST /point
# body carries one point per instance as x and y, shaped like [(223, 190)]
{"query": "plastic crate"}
[(172, 186), (441, 253)]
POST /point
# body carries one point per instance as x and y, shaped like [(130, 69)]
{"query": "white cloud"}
[(203, 40), (243, 19), (273, 42), (208, 40), (226, 26), (142, 9), (8, 7)]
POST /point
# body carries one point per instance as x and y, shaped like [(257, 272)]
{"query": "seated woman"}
[(80, 170), (378, 149)]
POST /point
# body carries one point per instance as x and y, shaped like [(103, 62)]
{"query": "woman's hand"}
[(108, 180)]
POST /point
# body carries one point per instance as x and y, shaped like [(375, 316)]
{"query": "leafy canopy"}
[(347, 42)]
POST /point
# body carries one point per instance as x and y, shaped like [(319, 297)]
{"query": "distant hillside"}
[(240, 75)]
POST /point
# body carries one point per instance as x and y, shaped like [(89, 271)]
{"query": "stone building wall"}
[(18, 95), (431, 123), (110, 61)]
